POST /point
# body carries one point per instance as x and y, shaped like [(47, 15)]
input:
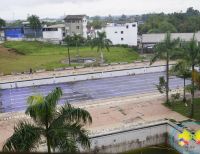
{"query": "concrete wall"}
[(122, 34), (145, 135), (173, 131), (81, 77), (127, 140)]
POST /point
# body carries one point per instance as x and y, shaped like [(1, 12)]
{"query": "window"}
[(77, 27), (115, 32), (127, 26), (122, 39), (122, 32), (133, 25)]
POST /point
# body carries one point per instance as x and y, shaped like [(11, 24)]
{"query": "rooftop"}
[(156, 38), (74, 17), (57, 26)]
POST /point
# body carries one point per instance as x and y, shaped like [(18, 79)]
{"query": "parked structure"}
[(31, 33), (76, 24), (122, 33), (14, 33), (149, 40), (54, 32)]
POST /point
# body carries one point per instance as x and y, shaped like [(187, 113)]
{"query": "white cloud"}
[(57, 8)]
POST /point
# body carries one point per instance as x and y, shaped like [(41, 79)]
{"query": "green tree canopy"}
[(101, 42), (2, 23), (34, 22), (62, 127)]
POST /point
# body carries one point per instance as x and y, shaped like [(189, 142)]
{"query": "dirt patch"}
[(8, 53)]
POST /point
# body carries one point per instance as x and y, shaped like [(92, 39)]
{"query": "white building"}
[(54, 32), (122, 33)]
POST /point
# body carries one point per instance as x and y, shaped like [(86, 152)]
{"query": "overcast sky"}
[(19, 9)]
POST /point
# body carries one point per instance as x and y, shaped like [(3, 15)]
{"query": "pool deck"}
[(108, 114)]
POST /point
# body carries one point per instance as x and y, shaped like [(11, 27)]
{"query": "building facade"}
[(122, 33), (31, 33), (76, 24), (54, 32), (148, 41)]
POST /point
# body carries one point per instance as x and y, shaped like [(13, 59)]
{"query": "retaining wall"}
[(156, 133), (127, 140), (81, 77)]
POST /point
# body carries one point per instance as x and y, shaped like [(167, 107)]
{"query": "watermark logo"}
[(186, 137)]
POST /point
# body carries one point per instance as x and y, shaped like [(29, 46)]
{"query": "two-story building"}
[(76, 24), (122, 33)]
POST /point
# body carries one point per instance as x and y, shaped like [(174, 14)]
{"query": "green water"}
[(161, 149)]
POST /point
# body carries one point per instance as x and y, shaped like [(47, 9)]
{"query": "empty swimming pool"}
[(14, 99)]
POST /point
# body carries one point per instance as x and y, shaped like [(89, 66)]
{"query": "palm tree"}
[(101, 43), (78, 40), (191, 55), (166, 50), (182, 70), (69, 41), (62, 127)]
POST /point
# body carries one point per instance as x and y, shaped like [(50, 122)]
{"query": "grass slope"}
[(38, 55), (180, 107)]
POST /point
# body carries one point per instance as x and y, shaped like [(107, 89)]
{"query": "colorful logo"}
[(186, 137), (197, 137)]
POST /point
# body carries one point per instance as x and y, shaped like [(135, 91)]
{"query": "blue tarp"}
[(14, 32)]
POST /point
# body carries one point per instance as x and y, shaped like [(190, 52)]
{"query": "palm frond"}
[(42, 109), (71, 114), (60, 134), (25, 138)]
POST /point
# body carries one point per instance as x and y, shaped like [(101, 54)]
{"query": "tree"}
[(69, 41), (2, 23), (61, 127), (166, 50), (78, 40), (182, 70), (101, 42), (166, 27), (34, 23), (191, 55)]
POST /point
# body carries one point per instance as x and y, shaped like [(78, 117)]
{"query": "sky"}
[(19, 9)]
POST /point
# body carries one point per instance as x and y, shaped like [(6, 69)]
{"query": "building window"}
[(77, 27), (122, 32), (115, 32), (122, 39), (127, 26), (133, 25)]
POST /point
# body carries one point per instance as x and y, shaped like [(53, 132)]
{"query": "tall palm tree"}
[(182, 70), (101, 42), (192, 55), (166, 50), (69, 41), (62, 127), (78, 40)]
